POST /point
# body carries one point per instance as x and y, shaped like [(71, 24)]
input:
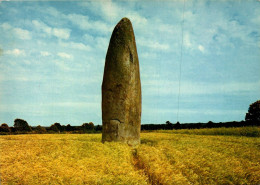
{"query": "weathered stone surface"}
[(121, 87)]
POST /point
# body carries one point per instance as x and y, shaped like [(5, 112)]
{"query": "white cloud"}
[(85, 23), (81, 21), (65, 55), (217, 29), (194, 111), (153, 44), (99, 43), (137, 19), (18, 32), (188, 87), (6, 26), (189, 16), (159, 46), (169, 29), (62, 33), (190, 42), (256, 19), (148, 55), (22, 34), (45, 53), (187, 41), (75, 45), (73, 104), (16, 77), (89, 38), (151, 115), (15, 52), (62, 65), (201, 48), (52, 11), (110, 10), (41, 26)]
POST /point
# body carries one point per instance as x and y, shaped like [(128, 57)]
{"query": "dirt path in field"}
[(139, 166)]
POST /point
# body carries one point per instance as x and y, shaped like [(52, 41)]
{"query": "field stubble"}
[(162, 158)]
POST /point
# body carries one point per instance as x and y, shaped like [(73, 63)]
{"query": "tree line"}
[(21, 126)]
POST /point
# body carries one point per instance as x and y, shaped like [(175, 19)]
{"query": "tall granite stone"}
[(121, 88)]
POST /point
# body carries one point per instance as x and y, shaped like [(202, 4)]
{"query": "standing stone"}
[(121, 88)]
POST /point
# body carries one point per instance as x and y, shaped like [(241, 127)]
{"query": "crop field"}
[(163, 157)]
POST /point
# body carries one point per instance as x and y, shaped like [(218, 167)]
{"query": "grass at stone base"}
[(162, 158)]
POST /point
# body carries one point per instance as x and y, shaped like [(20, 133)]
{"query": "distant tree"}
[(69, 127), (58, 125), (84, 125), (169, 125), (21, 125), (177, 125), (54, 128), (5, 128), (210, 124), (87, 126), (253, 114), (91, 126), (98, 128), (40, 129), (63, 128)]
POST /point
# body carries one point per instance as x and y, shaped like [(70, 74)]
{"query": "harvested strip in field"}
[(201, 159)]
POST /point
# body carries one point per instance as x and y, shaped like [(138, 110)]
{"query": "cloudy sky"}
[(52, 57)]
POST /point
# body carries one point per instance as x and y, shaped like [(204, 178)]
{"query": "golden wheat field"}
[(162, 158)]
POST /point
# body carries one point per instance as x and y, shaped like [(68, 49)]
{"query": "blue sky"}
[(52, 57)]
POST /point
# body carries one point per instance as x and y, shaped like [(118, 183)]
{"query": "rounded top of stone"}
[(125, 19), (124, 22)]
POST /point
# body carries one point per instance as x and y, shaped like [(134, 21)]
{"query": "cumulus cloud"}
[(148, 55), (18, 32), (99, 43), (109, 10), (217, 29), (165, 87), (41, 26), (6, 26), (113, 12), (62, 33), (78, 104), (75, 45), (62, 65), (65, 55), (45, 53), (137, 19), (15, 52), (152, 44), (187, 41), (85, 23), (201, 48), (22, 34)]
